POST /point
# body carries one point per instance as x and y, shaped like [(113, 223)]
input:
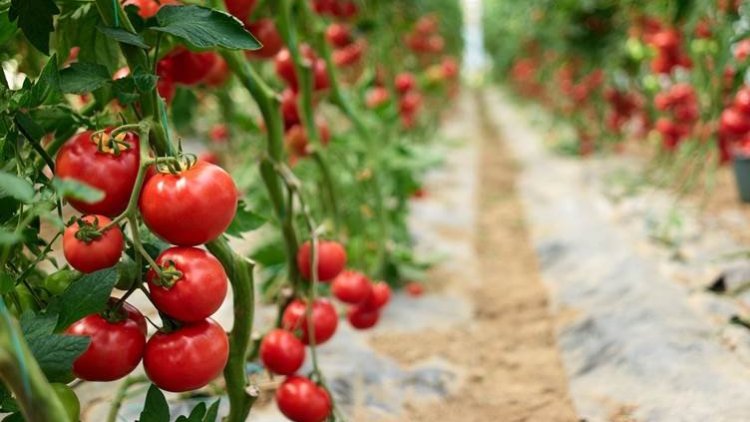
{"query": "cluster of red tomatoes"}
[(679, 103), (424, 38), (282, 350), (347, 51), (734, 127), (186, 207), (668, 45)]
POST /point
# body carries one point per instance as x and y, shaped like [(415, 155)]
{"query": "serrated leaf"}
[(76, 27), (73, 189), (80, 78), (47, 86), (85, 296), (244, 221), (155, 409), (213, 412), (144, 82), (15, 187), (123, 36), (125, 91), (202, 27), (35, 20), (53, 352)]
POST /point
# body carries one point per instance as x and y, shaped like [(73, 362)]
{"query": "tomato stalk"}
[(20, 372), (240, 273), (268, 103)]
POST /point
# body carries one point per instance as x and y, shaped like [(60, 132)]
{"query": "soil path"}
[(507, 350)]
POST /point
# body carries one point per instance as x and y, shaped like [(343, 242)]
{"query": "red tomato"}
[(187, 358), (116, 347), (362, 318), (449, 67), (281, 352), (414, 289), (734, 122), (295, 138), (190, 67), (344, 9), (191, 207), (195, 295), (380, 296), (349, 55), (289, 109), (301, 400), (149, 8), (351, 287), (376, 97), (742, 100), (325, 319), (338, 35), (218, 73), (285, 68), (331, 259), (240, 9), (96, 254), (410, 102), (219, 133), (265, 31), (96, 162), (404, 82)]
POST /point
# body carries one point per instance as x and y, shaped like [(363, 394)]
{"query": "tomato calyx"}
[(108, 144), (167, 275), (88, 231), (176, 165), (115, 313)]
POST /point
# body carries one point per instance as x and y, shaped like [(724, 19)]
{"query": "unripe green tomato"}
[(127, 273), (57, 282), (69, 400), (636, 49), (651, 83), (698, 46)]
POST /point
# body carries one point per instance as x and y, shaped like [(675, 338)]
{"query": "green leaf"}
[(202, 27), (155, 409), (76, 27), (80, 78), (73, 189), (123, 36), (7, 28), (15, 187), (213, 412), (55, 353), (244, 220), (47, 86), (35, 20), (86, 296), (196, 415)]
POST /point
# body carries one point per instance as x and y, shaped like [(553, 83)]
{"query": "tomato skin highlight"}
[(198, 293), (98, 254), (80, 159), (301, 400), (281, 352), (116, 348), (191, 207), (331, 260), (188, 358), (362, 318), (325, 320), (351, 287)]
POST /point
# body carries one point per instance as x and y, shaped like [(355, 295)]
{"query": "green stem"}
[(121, 393), (240, 272), (20, 372)]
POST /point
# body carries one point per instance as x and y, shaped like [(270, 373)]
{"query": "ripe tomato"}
[(148, 8), (289, 110), (105, 163), (380, 296), (218, 74), (325, 319), (219, 133), (191, 207), (189, 67), (301, 400), (295, 138), (733, 122), (116, 347), (414, 289), (281, 352), (349, 55), (449, 67), (187, 358), (265, 31), (404, 82), (285, 68), (410, 102), (240, 9), (331, 259), (197, 293), (284, 64), (344, 9), (377, 97), (351, 287), (362, 318), (338, 35), (98, 253), (742, 100)]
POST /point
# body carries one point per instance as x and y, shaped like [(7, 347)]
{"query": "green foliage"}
[(202, 27)]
